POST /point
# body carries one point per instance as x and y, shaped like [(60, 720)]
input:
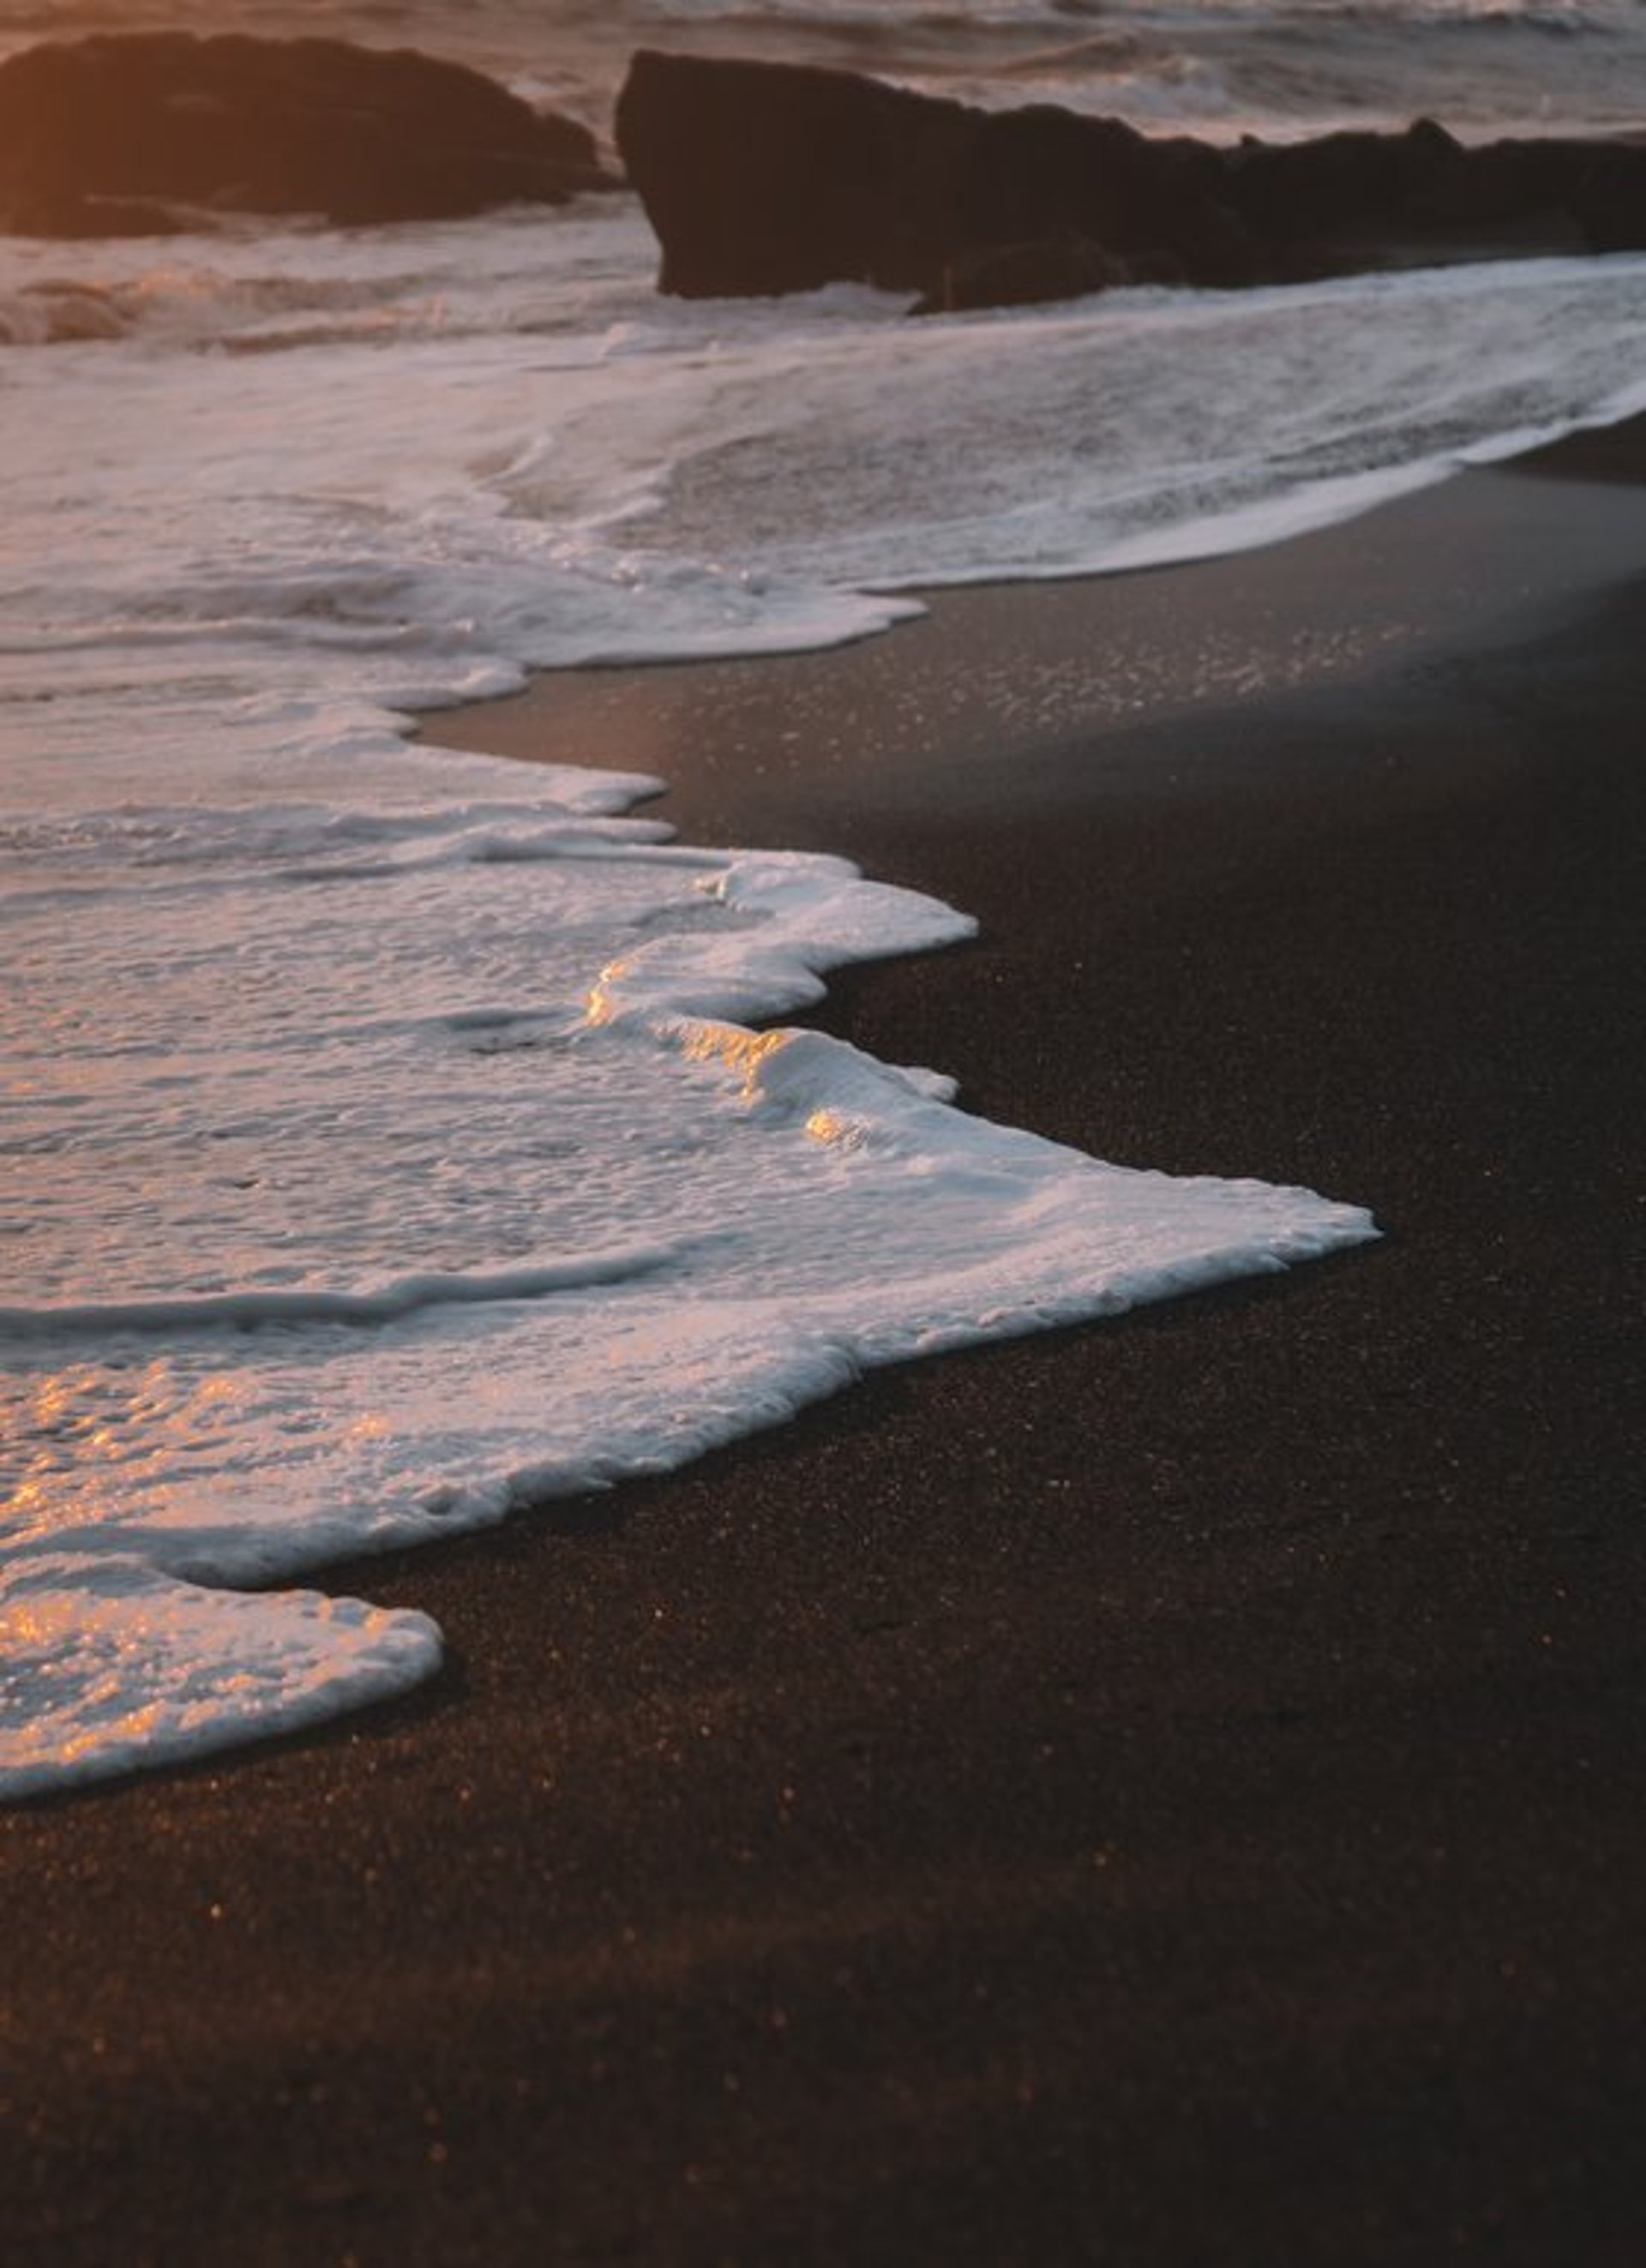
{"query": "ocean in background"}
[(391, 1138), (1215, 67)]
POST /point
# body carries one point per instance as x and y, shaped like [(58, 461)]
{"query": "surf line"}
[(388, 1303)]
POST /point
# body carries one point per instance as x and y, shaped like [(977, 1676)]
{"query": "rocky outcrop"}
[(109, 135), (762, 178), (1024, 276)]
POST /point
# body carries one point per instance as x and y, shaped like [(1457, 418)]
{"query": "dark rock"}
[(1023, 274), (1610, 197), (1358, 199), (104, 135), (762, 178)]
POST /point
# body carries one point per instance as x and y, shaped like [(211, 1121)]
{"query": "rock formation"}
[(109, 135), (762, 178)]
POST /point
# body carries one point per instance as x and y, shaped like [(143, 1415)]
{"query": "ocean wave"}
[(55, 312), (40, 1329), (1484, 65)]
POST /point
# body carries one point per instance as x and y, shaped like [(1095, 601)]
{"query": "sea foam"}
[(248, 1101), (391, 1138)]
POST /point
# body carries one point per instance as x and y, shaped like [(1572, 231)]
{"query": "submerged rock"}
[(761, 178), (107, 135)]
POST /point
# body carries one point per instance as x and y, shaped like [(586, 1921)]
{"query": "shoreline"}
[(1070, 668), (1160, 1791)]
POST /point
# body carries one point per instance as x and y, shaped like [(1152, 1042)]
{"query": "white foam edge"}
[(1307, 509), (164, 1671)]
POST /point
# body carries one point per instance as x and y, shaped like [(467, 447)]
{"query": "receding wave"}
[(61, 312), (388, 1303)]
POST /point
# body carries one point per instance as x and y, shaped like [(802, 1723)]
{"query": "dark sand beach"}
[(1164, 1794)]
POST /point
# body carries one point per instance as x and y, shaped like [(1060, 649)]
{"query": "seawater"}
[(392, 1139), (1219, 67)]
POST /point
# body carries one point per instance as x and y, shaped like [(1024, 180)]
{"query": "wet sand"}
[(1166, 1792)]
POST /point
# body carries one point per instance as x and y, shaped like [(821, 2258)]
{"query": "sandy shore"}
[(1164, 1794)]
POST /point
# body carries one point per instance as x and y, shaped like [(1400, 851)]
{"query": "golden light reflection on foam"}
[(64, 1434), (125, 1726), (83, 1654), (40, 1620), (599, 1006), (829, 1126), (741, 1051), (52, 1399)]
